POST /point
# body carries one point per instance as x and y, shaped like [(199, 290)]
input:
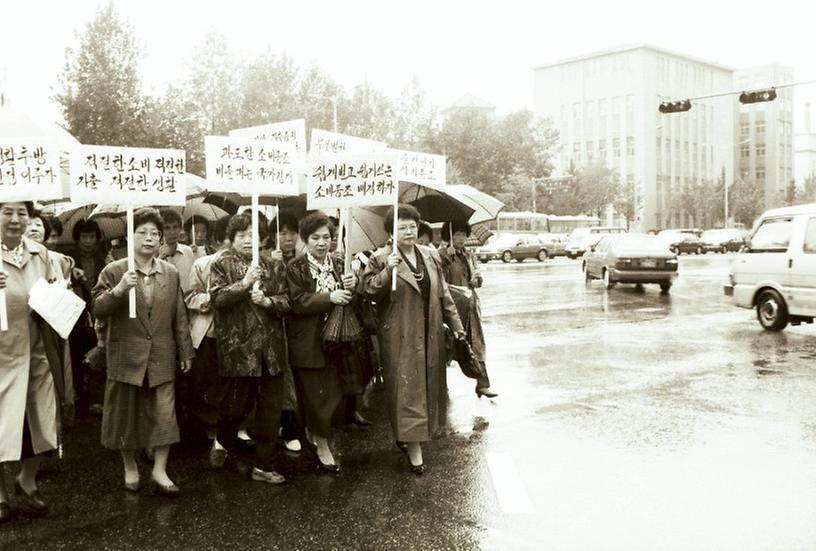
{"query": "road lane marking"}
[(507, 484)]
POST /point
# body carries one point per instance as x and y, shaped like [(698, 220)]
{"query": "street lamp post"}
[(333, 100)]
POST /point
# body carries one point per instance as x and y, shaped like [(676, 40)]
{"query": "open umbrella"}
[(434, 205), (485, 207), (112, 227)]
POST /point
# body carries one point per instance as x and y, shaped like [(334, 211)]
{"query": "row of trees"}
[(103, 102)]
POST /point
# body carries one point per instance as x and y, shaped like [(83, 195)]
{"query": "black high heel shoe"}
[(333, 468), (486, 392), (34, 500), (165, 491), (418, 470)]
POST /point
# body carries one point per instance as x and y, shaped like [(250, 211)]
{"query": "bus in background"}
[(536, 222)]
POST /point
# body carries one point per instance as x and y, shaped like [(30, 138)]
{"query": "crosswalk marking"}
[(507, 483)]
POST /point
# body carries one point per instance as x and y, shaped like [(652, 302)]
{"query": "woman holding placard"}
[(143, 353), (411, 333), (28, 403), (316, 285), (249, 304)]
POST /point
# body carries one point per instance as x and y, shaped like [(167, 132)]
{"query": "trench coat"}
[(461, 270), (413, 362), (26, 385), (148, 346)]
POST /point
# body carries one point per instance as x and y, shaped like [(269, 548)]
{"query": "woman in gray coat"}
[(411, 333)]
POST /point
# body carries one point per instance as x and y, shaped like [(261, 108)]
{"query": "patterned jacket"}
[(242, 328)]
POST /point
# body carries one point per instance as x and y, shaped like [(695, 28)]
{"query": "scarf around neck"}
[(322, 273)]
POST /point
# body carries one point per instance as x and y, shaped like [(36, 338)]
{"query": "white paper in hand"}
[(56, 305)]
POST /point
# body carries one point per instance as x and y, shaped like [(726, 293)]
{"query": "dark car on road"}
[(631, 258), (723, 240), (682, 242), (510, 246)]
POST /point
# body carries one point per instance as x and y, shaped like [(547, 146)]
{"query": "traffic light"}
[(678, 106), (758, 96)]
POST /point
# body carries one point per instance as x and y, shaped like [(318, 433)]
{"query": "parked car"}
[(554, 243), (507, 247), (681, 242), (631, 258), (776, 274), (581, 239), (723, 240)]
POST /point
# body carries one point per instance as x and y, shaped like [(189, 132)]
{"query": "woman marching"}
[(316, 285), (463, 276), (28, 400), (143, 353), (250, 303), (411, 333)]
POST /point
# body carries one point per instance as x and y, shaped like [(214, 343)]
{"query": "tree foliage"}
[(99, 90)]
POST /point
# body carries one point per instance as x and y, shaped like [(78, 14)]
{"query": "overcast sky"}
[(453, 47)]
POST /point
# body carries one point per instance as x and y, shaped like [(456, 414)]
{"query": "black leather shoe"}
[(333, 468), (418, 470), (34, 500), (165, 491), (133, 486), (359, 421), (486, 392), (5, 512)]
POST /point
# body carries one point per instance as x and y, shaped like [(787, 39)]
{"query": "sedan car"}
[(682, 242), (508, 247), (723, 240), (631, 258)]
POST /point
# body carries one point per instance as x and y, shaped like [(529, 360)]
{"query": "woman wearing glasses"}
[(411, 333), (143, 353)]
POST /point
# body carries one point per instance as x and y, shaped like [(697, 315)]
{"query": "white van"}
[(777, 272)]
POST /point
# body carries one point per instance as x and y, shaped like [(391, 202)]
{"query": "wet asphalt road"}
[(627, 420)]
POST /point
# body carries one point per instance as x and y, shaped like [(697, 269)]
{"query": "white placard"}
[(56, 305), (29, 170), (344, 181), (128, 175), (244, 165), (291, 133), (332, 143), (420, 168)]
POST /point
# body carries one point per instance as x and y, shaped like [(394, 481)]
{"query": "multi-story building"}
[(765, 131), (805, 151), (605, 107), (470, 102)]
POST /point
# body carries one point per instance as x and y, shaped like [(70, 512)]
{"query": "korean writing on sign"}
[(128, 175), (292, 133), (248, 166), (421, 168), (29, 170), (351, 181), (331, 143)]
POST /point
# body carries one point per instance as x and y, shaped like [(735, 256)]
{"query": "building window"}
[(760, 150), (576, 150), (760, 175), (616, 149), (659, 146), (745, 151), (602, 149), (745, 129), (630, 146), (760, 127)]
